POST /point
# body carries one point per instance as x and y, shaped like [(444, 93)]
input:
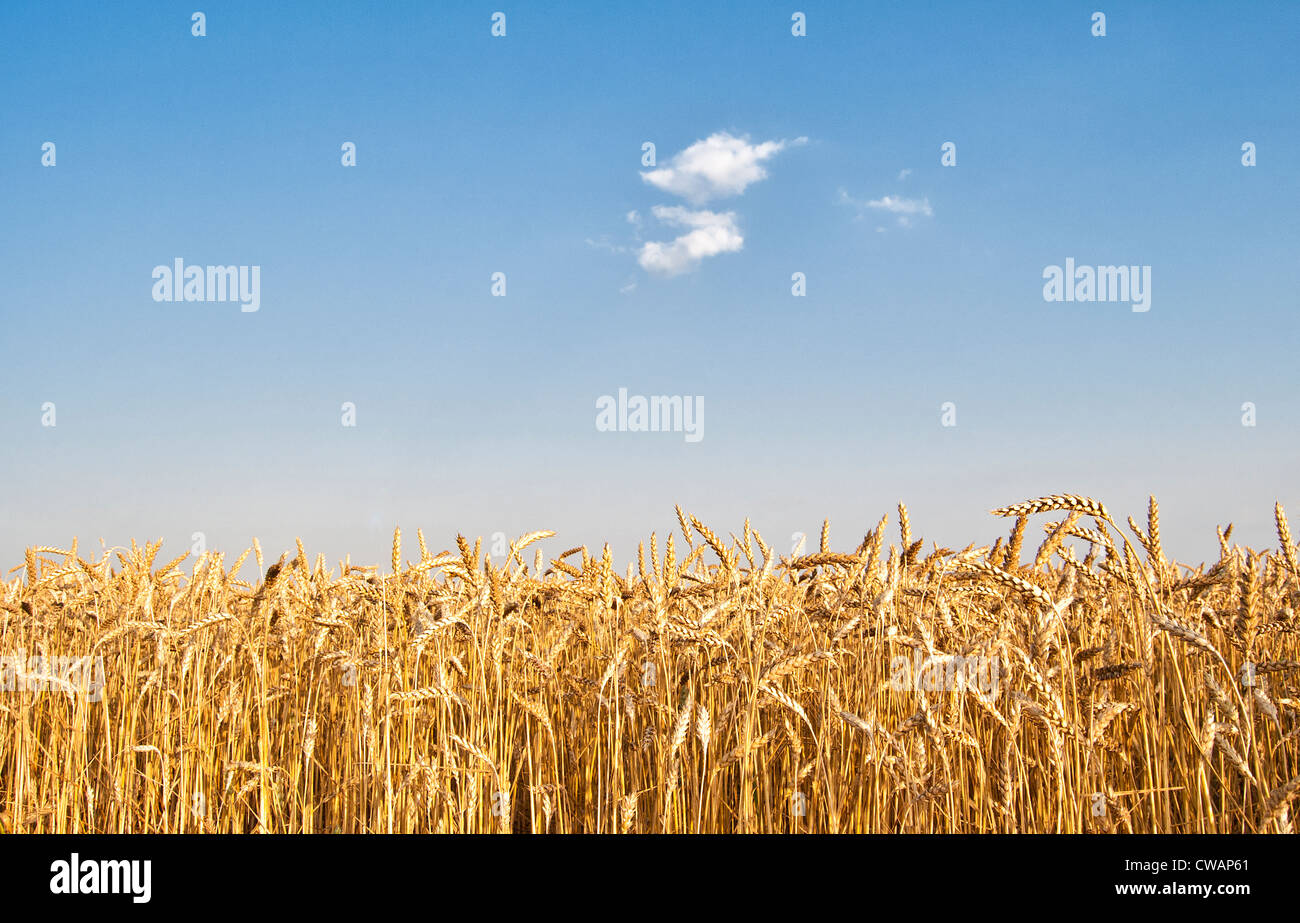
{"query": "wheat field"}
[(715, 686)]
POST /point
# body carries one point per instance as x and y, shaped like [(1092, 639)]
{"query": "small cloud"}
[(628, 287), (906, 209), (634, 219), (720, 165), (900, 206), (904, 174), (710, 233), (604, 244)]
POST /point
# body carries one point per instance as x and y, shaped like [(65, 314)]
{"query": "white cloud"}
[(900, 206), (904, 174), (906, 209), (718, 166), (710, 233), (604, 244), (721, 165)]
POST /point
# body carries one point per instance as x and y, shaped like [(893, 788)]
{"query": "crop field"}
[(1066, 677)]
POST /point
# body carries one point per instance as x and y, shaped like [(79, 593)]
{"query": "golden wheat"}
[(876, 690)]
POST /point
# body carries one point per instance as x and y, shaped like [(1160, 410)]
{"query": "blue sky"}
[(522, 154)]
